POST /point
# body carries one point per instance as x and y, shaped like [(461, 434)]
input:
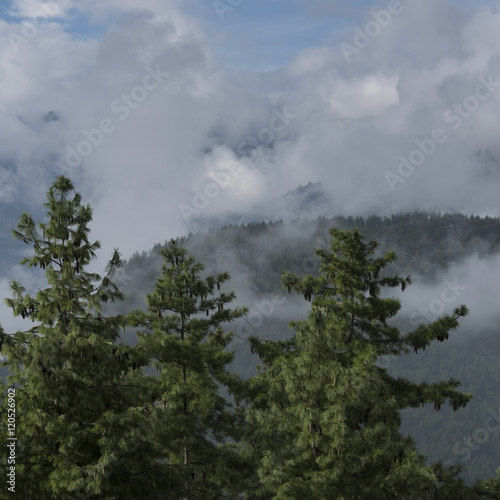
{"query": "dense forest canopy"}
[(159, 392), (427, 245)]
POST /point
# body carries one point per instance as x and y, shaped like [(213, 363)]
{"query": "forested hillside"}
[(160, 392), (427, 245), (250, 250)]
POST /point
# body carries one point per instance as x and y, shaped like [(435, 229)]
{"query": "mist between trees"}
[(169, 411)]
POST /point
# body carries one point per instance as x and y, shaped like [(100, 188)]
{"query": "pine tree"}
[(489, 488), (193, 424), (325, 416), (78, 428)]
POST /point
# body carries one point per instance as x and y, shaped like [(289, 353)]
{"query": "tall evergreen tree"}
[(325, 417), (192, 423), (77, 422)]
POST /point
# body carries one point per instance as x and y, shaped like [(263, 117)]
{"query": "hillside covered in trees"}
[(159, 393), (428, 246)]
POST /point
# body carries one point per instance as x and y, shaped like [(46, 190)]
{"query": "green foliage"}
[(95, 421), (427, 245), (194, 427), (489, 488), (75, 404), (325, 418)]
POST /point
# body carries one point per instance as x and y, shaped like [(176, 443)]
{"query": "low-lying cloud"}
[(140, 153)]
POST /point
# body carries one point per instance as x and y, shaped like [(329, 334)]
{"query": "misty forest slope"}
[(428, 245)]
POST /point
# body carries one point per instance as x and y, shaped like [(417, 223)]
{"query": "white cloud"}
[(473, 282), (352, 120), (38, 10), (30, 281), (363, 97)]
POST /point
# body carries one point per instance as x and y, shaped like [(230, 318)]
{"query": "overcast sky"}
[(143, 103), (164, 111)]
